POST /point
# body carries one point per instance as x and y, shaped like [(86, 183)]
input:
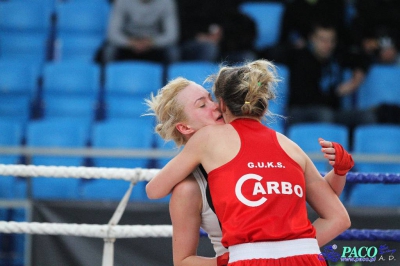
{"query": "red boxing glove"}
[(223, 259), (343, 160)]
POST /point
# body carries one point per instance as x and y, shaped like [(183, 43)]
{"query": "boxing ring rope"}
[(368, 178), (86, 230), (111, 231), (108, 232)]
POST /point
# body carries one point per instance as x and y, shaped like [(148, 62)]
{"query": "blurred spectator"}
[(142, 30), (388, 52), (382, 47), (377, 26), (239, 34), (215, 30), (317, 84), (297, 22), (300, 14)]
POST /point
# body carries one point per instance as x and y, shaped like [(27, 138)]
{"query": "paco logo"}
[(271, 187), (358, 254)]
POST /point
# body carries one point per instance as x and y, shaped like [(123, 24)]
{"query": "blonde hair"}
[(247, 89), (168, 111)]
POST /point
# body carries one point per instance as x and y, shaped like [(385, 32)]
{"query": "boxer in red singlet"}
[(260, 200)]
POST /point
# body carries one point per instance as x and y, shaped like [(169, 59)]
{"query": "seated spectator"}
[(316, 82), (377, 22), (382, 48), (211, 35), (239, 34), (297, 21), (142, 30)]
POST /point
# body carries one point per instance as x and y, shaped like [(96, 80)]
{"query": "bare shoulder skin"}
[(185, 210)]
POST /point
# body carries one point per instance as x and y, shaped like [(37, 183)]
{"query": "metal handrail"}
[(159, 153)]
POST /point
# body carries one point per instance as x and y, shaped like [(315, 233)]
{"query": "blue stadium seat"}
[(82, 18), (376, 139), (119, 134), (125, 107), (123, 134), (18, 77), (25, 17), (306, 136), (267, 17), (71, 78), (127, 84), (133, 78), (196, 71), (57, 133), (57, 106), (69, 47), (71, 89), (18, 88), (68, 132), (380, 86), (16, 108), (24, 46), (24, 30)]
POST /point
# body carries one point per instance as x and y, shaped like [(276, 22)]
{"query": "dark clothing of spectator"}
[(376, 26), (215, 30), (313, 82), (300, 15)]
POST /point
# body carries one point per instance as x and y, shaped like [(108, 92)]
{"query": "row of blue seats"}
[(43, 29), (78, 133), (91, 17), (79, 28), (80, 89), (139, 134)]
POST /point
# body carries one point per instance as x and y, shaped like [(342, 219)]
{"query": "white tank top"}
[(209, 221)]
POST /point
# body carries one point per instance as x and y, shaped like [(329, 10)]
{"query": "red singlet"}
[(260, 194)]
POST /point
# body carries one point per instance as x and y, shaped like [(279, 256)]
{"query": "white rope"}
[(108, 232), (133, 175), (86, 230)]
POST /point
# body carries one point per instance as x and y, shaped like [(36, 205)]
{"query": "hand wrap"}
[(223, 259), (343, 160)]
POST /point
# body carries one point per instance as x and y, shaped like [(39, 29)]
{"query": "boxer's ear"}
[(184, 128), (222, 106)]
